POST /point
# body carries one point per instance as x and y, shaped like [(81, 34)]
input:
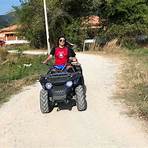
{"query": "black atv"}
[(63, 86)]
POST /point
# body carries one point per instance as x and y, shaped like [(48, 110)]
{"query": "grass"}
[(17, 71), (19, 47), (133, 85)]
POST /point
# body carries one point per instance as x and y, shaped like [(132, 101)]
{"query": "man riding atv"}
[(62, 54), (64, 82)]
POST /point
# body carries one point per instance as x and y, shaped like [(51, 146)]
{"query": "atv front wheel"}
[(46, 105), (81, 102)]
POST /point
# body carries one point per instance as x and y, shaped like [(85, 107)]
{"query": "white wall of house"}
[(10, 42)]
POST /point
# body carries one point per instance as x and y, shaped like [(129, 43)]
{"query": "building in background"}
[(91, 22), (9, 36)]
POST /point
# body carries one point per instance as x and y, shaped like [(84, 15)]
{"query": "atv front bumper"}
[(58, 93)]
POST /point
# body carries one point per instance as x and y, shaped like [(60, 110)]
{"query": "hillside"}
[(6, 20)]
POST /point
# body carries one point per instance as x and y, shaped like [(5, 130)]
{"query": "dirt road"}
[(103, 125)]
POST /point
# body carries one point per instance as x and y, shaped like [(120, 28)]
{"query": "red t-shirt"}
[(62, 55)]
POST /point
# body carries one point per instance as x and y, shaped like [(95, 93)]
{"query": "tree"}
[(124, 19), (61, 13), (32, 23)]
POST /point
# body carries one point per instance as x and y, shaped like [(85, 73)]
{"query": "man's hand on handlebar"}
[(73, 59)]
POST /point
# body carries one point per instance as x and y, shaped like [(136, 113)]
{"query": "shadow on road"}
[(66, 106)]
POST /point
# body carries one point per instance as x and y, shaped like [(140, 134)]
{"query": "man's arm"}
[(72, 55), (50, 56)]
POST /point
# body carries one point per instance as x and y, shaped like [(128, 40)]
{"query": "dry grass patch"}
[(3, 54), (133, 84)]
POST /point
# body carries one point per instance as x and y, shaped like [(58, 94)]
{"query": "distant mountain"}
[(7, 20)]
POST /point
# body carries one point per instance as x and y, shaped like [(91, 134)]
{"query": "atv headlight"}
[(48, 85), (69, 84)]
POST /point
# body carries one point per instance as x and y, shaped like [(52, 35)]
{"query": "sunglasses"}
[(61, 40)]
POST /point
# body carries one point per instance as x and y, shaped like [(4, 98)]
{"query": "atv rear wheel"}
[(46, 105), (81, 102)]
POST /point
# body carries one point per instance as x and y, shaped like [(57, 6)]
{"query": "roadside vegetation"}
[(19, 47), (18, 70), (133, 82)]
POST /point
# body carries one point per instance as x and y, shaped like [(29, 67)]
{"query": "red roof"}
[(9, 29), (92, 21)]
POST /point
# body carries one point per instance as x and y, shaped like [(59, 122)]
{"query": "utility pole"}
[(46, 25)]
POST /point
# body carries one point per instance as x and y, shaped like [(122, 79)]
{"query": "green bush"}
[(129, 43), (19, 47), (15, 71)]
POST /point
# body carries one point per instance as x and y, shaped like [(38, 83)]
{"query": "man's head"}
[(61, 41)]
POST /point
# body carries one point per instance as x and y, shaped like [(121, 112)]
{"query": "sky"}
[(6, 5)]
